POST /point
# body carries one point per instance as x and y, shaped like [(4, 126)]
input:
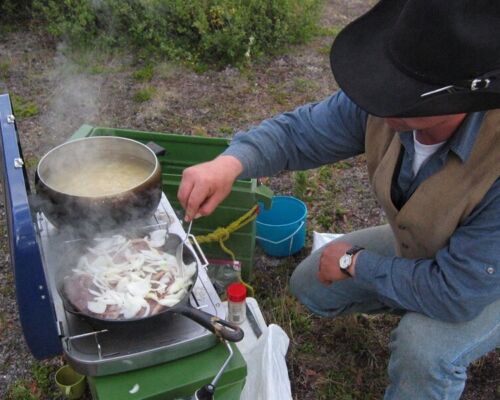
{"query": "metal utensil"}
[(180, 249)]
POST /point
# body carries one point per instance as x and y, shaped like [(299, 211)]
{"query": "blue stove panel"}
[(36, 311)]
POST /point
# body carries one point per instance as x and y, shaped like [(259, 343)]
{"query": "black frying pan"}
[(211, 322)]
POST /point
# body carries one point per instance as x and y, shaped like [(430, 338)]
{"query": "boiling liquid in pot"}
[(100, 177)]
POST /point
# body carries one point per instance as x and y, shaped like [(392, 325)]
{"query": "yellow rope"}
[(221, 234)]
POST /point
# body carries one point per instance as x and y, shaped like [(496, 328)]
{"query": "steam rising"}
[(74, 101)]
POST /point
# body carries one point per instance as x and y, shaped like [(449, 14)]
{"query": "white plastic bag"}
[(320, 239), (267, 373)]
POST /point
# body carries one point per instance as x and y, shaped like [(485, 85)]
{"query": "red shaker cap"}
[(236, 292)]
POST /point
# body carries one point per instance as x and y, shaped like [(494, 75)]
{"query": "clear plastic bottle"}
[(236, 303)]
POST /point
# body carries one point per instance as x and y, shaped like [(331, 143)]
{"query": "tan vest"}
[(438, 206)]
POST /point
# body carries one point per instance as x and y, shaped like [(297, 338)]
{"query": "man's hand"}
[(329, 268), (205, 185)]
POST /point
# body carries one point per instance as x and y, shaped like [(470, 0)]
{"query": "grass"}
[(38, 386), (301, 185), (198, 130), (3, 323), (167, 70), (24, 108), (4, 70), (31, 162), (8, 289), (226, 130), (20, 390), (314, 185), (144, 74), (94, 61), (342, 165), (330, 31), (278, 94), (144, 94), (302, 85), (41, 376)]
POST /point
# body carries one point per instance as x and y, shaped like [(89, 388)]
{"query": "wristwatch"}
[(346, 260)]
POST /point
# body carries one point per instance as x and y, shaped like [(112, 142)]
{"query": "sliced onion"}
[(139, 288), (96, 307), (157, 238), (126, 285)]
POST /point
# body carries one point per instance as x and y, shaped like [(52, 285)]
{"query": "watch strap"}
[(345, 271), (354, 249)]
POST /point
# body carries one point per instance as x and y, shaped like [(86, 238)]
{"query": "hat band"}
[(479, 83)]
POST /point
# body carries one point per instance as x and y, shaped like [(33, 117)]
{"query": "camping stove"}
[(35, 246), (169, 360), (104, 352)]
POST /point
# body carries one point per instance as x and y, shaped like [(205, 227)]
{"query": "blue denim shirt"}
[(463, 277)]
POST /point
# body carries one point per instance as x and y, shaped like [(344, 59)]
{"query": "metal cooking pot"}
[(103, 212), (220, 327)]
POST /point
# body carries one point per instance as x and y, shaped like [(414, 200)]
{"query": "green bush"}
[(14, 10), (73, 20), (215, 32)]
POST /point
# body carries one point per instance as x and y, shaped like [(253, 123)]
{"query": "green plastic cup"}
[(70, 383)]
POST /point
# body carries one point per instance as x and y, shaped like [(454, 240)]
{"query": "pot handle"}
[(214, 324), (156, 148)]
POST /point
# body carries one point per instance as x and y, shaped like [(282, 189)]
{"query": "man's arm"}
[(311, 136), (458, 283)]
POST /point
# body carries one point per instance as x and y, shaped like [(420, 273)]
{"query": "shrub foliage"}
[(14, 10), (216, 32)]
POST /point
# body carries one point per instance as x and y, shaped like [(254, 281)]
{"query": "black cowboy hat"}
[(410, 58)]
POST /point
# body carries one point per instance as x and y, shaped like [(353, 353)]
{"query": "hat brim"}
[(364, 70)]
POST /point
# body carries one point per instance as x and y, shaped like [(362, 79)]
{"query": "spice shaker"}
[(236, 303)]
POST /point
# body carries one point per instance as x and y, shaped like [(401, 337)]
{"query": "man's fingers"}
[(205, 185), (211, 203), (184, 191), (196, 198)]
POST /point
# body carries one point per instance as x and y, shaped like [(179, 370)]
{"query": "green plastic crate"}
[(177, 379), (183, 151)]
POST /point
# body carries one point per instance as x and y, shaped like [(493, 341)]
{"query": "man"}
[(417, 80)]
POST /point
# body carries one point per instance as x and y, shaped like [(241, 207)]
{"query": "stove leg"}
[(207, 391)]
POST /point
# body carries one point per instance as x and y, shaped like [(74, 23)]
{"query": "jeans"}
[(429, 358)]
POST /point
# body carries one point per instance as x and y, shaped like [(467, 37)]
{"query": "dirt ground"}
[(58, 91)]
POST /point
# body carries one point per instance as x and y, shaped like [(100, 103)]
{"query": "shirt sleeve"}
[(458, 283), (310, 136)]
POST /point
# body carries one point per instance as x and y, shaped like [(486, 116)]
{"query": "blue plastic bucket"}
[(281, 230)]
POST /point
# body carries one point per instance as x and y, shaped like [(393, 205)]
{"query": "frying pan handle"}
[(214, 324)]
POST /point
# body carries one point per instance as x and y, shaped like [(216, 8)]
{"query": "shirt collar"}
[(461, 143)]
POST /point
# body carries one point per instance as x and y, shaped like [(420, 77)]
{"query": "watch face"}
[(345, 261)]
